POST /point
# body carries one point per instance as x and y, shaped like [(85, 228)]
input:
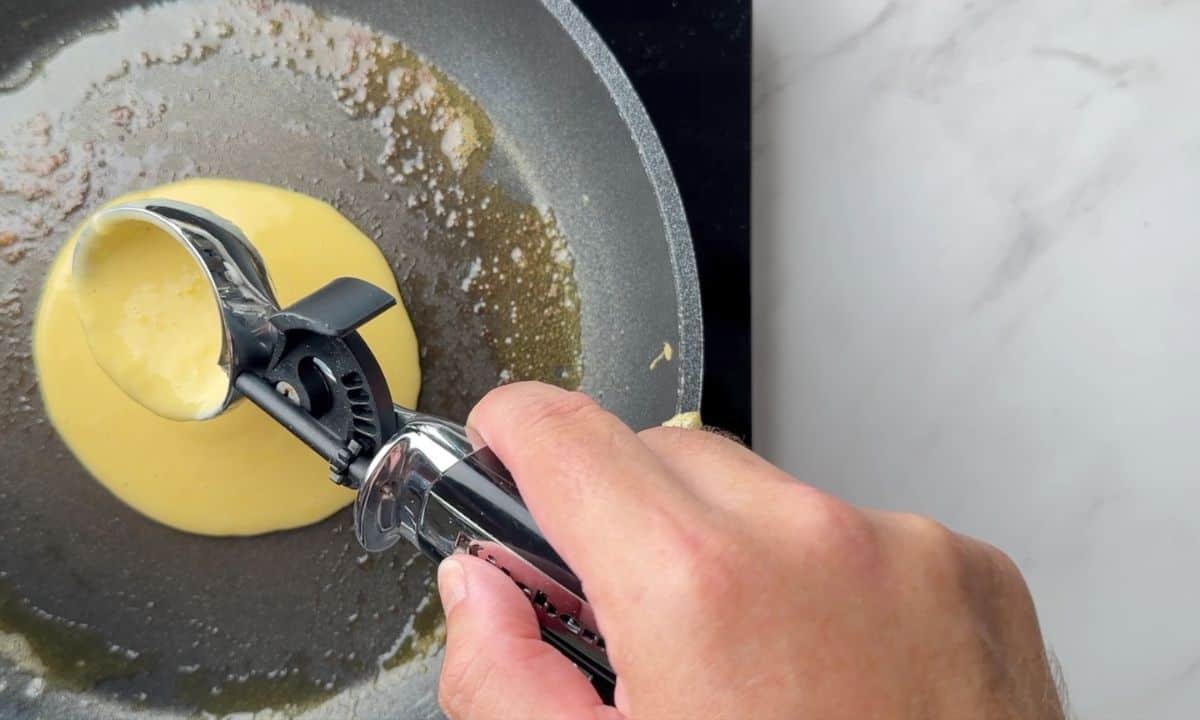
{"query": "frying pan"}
[(105, 614)]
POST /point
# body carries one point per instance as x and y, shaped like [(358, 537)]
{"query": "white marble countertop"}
[(977, 296)]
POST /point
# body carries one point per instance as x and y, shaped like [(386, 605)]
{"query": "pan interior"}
[(539, 254)]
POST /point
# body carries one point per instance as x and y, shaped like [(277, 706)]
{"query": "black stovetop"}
[(690, 62)]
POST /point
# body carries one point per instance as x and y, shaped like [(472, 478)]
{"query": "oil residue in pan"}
[(244, 89), (434, 142)]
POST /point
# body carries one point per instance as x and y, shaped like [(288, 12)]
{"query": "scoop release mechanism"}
[(418, 477)]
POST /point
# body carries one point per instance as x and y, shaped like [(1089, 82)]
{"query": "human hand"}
[(724, 588)]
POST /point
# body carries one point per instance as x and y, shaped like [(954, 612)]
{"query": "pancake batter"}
[(152, 319), (239, 473)]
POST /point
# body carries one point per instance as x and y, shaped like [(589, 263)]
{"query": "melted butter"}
[(152, 320), (685, 421), (74, 656), (239, 473)]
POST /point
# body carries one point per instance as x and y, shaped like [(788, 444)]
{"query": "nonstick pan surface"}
[(105, 614)]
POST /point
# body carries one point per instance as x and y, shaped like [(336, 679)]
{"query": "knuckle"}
[(496, 399), (937, 546), (527, 399), (449, 693), (448, 700), (1000, 562), (697, 443), (460, 684), (551, 415), (1006, 575), (665, 439), (828, 533), (928, 533), (706, 568), (943, 549), (671, 438), (832, 527)]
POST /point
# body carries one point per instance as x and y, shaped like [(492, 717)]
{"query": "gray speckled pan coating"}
[(570, 132), (675, 226)]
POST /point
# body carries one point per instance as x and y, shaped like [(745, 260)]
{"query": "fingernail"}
[(452, 583), (473, 435)]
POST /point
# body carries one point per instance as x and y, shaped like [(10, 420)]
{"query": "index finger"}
[(602, 498)]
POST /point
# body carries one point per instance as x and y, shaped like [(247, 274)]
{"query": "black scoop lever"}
[(322, 382)]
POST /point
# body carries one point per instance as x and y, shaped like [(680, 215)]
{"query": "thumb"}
[(496, 665)]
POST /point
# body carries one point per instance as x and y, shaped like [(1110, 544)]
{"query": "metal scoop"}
[(418, 477), (240, 287)]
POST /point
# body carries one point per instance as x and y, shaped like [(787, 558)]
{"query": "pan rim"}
[(662, 179)]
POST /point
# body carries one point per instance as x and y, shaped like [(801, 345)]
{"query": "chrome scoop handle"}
[(430, 486)]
